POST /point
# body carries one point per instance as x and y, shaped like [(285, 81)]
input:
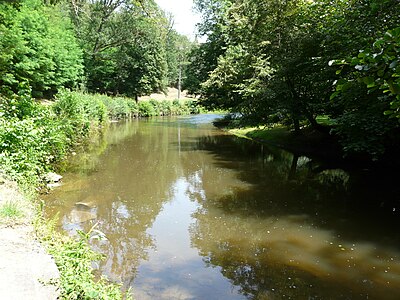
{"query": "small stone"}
[(52, 177)]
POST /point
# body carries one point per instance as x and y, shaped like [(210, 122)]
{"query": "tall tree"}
[(124, 45), (272, 58), (38, 47)]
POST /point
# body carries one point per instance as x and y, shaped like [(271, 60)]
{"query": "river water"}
[(191, 212)]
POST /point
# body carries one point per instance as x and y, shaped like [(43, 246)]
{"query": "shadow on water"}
[(294, 227)]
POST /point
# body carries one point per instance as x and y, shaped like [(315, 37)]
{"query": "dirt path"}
[(26, 270)]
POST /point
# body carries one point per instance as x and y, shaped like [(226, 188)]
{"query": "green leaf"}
[(333, 96)]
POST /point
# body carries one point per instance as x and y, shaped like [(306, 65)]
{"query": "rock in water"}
[(77, 216), (52, 177), (85, 205)]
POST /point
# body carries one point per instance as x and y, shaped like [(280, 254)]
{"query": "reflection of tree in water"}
[(130, 185), (271, 184), (291, 228)]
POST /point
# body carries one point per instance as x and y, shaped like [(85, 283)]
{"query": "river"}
[(191, 212)]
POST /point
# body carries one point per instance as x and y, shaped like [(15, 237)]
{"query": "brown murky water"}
[(193, 213)]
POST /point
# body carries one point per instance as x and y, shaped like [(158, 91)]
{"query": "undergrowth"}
[(74, 257)]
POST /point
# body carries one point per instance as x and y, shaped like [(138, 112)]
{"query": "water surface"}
[(191, 212)]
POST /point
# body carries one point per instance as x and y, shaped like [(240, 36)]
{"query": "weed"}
[(10, 210), (74, 258)]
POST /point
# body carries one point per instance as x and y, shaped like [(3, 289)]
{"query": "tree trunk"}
[(296, 124)]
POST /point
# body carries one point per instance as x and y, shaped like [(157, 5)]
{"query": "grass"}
[(325, 120), (11, 210), (307, 142), (274, 135)]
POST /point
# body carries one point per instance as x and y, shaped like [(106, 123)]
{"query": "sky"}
[(185, 19)]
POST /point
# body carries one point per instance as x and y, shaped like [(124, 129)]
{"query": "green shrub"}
[(156, 105), (146, 109), (120, 107), (74, 259), (34, 137), (29, 147)]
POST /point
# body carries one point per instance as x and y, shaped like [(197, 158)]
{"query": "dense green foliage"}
[(34, 137), (129, 46), (269, 61), (114, 47), (37, 47)]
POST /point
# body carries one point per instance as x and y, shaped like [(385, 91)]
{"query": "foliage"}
[(34, 137), (146, 109), (203, 58), (379, 69), (10, 210), (120, 107), (37, 47), (368, 89), (269, 61), (124, 45), (74, 258), (177, 50)]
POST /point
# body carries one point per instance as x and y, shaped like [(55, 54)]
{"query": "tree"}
[(177, 49), (124, 45), (269, 60), (203, 58), (37, 47)]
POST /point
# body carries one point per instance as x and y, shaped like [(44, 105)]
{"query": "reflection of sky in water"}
[(174, 270), (199, 119)]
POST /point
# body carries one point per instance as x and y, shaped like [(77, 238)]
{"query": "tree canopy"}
[(108, 46), (292, 61)]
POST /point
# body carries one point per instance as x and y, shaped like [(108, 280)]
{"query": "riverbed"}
[(191, 212)]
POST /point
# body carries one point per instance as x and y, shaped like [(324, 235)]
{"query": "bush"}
[(146, 109), (120, 107), (28, 147), (34, 137), (74, 259)]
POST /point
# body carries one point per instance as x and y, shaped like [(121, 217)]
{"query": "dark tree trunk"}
[(293, 167), (296, 124)]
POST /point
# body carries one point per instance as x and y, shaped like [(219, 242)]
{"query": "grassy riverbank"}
[(308, 142), (34, 139)]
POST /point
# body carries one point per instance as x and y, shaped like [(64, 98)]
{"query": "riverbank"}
[(26, 270), (315, 144), (34, 140), (308, 142)]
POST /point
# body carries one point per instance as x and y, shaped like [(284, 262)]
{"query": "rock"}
[(52, 177), (53, 185), (77, 216), (85, 205)]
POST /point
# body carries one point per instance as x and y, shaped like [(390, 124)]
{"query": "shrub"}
[(146, 109)]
